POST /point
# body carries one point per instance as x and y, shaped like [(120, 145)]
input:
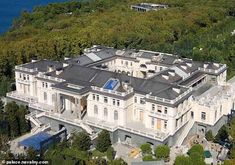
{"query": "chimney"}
[(59, 71), (50, 68)]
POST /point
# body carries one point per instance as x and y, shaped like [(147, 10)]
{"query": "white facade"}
[(124, 109)]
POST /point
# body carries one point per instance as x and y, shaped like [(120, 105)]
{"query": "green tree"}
[(103, 141), (31, 154), (196, 148), (1, 105), (82, 141), (197, 159), (146, 148), (182, 160), (162, 152), (209, 136), (148, 158), (23, 123), (11, 110), (222, 134)]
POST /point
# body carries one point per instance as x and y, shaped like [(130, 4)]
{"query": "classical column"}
[(57, 103), (78, 108)]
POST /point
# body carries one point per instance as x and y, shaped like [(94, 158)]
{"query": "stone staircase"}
[(39, 127), (185, 132)]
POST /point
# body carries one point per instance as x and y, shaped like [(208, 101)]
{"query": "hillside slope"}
[(198, 29)]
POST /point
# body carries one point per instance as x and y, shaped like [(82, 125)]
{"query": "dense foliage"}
[(103, 141), (209, 136), (82, 140), (162, 152), (12, 120), (196, 156), (146, 148), (196, 29)]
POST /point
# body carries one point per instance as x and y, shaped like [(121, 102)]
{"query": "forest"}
[(198, 29)]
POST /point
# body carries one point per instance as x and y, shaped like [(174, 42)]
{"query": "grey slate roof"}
[(76, 74), (42, 65)]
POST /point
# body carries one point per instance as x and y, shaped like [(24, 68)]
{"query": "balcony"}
[(133, 127), (22, 97)]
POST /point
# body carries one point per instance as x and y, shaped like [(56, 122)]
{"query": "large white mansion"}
[(139, 96)]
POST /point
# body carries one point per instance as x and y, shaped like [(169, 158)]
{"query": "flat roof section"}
[(35, 141)]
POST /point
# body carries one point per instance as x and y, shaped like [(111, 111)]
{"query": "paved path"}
[(14, 148)]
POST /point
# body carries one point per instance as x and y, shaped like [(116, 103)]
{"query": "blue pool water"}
[(9, 9), (111, 84)]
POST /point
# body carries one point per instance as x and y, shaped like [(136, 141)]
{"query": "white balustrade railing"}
[(22, 97), (50, 78), (26, 69), (112, 92)]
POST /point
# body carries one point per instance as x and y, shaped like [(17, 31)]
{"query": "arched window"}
[(115, 115), (45, 96), (95, 109), (105, 112)]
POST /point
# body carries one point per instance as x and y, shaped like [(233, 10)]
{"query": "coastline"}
[(9, 10)]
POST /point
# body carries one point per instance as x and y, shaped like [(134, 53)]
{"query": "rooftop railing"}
[(26, 69), (50, 78), (212, 70), (167, 100), (112, 92)]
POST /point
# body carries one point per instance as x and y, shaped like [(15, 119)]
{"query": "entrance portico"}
[(70, 104)]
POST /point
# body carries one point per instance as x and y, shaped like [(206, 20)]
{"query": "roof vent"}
[(205, 65), (50, 68), (177, 90), (34, 59), (59, 71), (189, 64), (66, 58), (184, 67), (216, 64), (172, 72), (165, 77)]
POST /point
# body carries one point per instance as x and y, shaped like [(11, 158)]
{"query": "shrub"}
[(182, 160), (162, 152), (103, 141), (197, 148), (82, 141), (146, 148), (148, 158)]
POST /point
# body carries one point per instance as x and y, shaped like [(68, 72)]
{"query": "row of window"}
[(24, 76), (159, 108), (141, 100), (105, 112), (44, 85), (126, 63), (158, 123), (106, 99)]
